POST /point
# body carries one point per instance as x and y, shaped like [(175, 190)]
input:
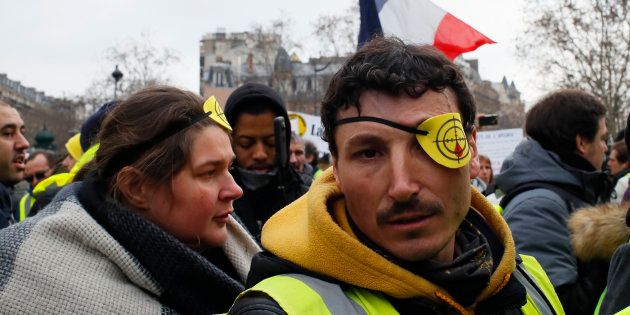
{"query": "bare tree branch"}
[(582, 44)]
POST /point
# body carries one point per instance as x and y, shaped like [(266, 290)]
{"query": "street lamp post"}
[(315, 71), (117, 75)]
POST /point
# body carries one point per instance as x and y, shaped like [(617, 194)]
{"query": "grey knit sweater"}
[(103, 259)]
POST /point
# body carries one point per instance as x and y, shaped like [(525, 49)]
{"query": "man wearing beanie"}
[(73, 146), (251, 110)]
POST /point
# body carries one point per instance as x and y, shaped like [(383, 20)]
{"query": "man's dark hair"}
[(622, 152), (389, 66), (310, 149), (50, 158), (559, 117)]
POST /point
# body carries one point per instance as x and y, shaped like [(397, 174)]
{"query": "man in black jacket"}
[(13, 147), (251, 110)]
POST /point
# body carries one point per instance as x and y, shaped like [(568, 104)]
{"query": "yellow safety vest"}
[(63, 179), (26, 203), (625, 311), (301, 294)]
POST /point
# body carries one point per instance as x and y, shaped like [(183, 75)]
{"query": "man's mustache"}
[(411, 206)]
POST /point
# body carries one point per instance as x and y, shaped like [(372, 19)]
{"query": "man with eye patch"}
[(393, 227), (251, 110), (13, 147)]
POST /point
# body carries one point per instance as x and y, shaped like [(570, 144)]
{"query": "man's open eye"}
[(368, 154)]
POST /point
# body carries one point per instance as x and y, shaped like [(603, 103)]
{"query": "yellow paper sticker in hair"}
[(446, 141), (212, 107)]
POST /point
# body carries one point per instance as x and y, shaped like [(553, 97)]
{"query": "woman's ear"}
[(134, 187)]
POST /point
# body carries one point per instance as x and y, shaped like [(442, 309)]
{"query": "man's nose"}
[(259, 152), (292, 159), (402, 184), (21, 143)]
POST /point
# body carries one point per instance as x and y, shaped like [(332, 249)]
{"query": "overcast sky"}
[(58, 47)]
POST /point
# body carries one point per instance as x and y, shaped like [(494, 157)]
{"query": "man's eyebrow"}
[(365, 139), (10, 125), (253, 137)]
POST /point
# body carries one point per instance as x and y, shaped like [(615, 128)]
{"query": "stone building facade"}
[(41, 112), (230, 60)]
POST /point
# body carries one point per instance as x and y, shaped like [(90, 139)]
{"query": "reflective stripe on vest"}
[(26, 203), (535, 270), (541, 295), (301, 294), (63, 179)]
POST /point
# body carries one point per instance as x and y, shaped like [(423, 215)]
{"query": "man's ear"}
[(474, 164), (581, 144), (134, 188), (334, 166)]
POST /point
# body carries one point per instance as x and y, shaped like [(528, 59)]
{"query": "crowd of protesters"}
[(170, 203)]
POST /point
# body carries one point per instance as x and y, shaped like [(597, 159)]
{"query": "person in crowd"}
[(13, 145), (46, 190), (39, 166), (323, 162), (73, 146), (603, 232), (310, 156), (394, 227), (619, 167), (149, 231), (554, 171), (268, 185), (486, 174), (92, 125), (484, 182), (297, 159)]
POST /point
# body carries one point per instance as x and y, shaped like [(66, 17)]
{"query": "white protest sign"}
[(308, 127), (498, 144)]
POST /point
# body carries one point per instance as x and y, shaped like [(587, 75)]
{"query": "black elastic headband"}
[(381, 121), (134, 153)]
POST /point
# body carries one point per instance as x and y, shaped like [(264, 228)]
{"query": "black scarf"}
[(191, 283)]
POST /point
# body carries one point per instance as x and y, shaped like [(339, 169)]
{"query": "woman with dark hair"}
[(149, 230)]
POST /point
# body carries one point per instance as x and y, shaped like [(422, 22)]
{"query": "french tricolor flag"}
[(420, 22)]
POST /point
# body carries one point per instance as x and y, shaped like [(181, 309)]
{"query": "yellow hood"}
[(306, 234)]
